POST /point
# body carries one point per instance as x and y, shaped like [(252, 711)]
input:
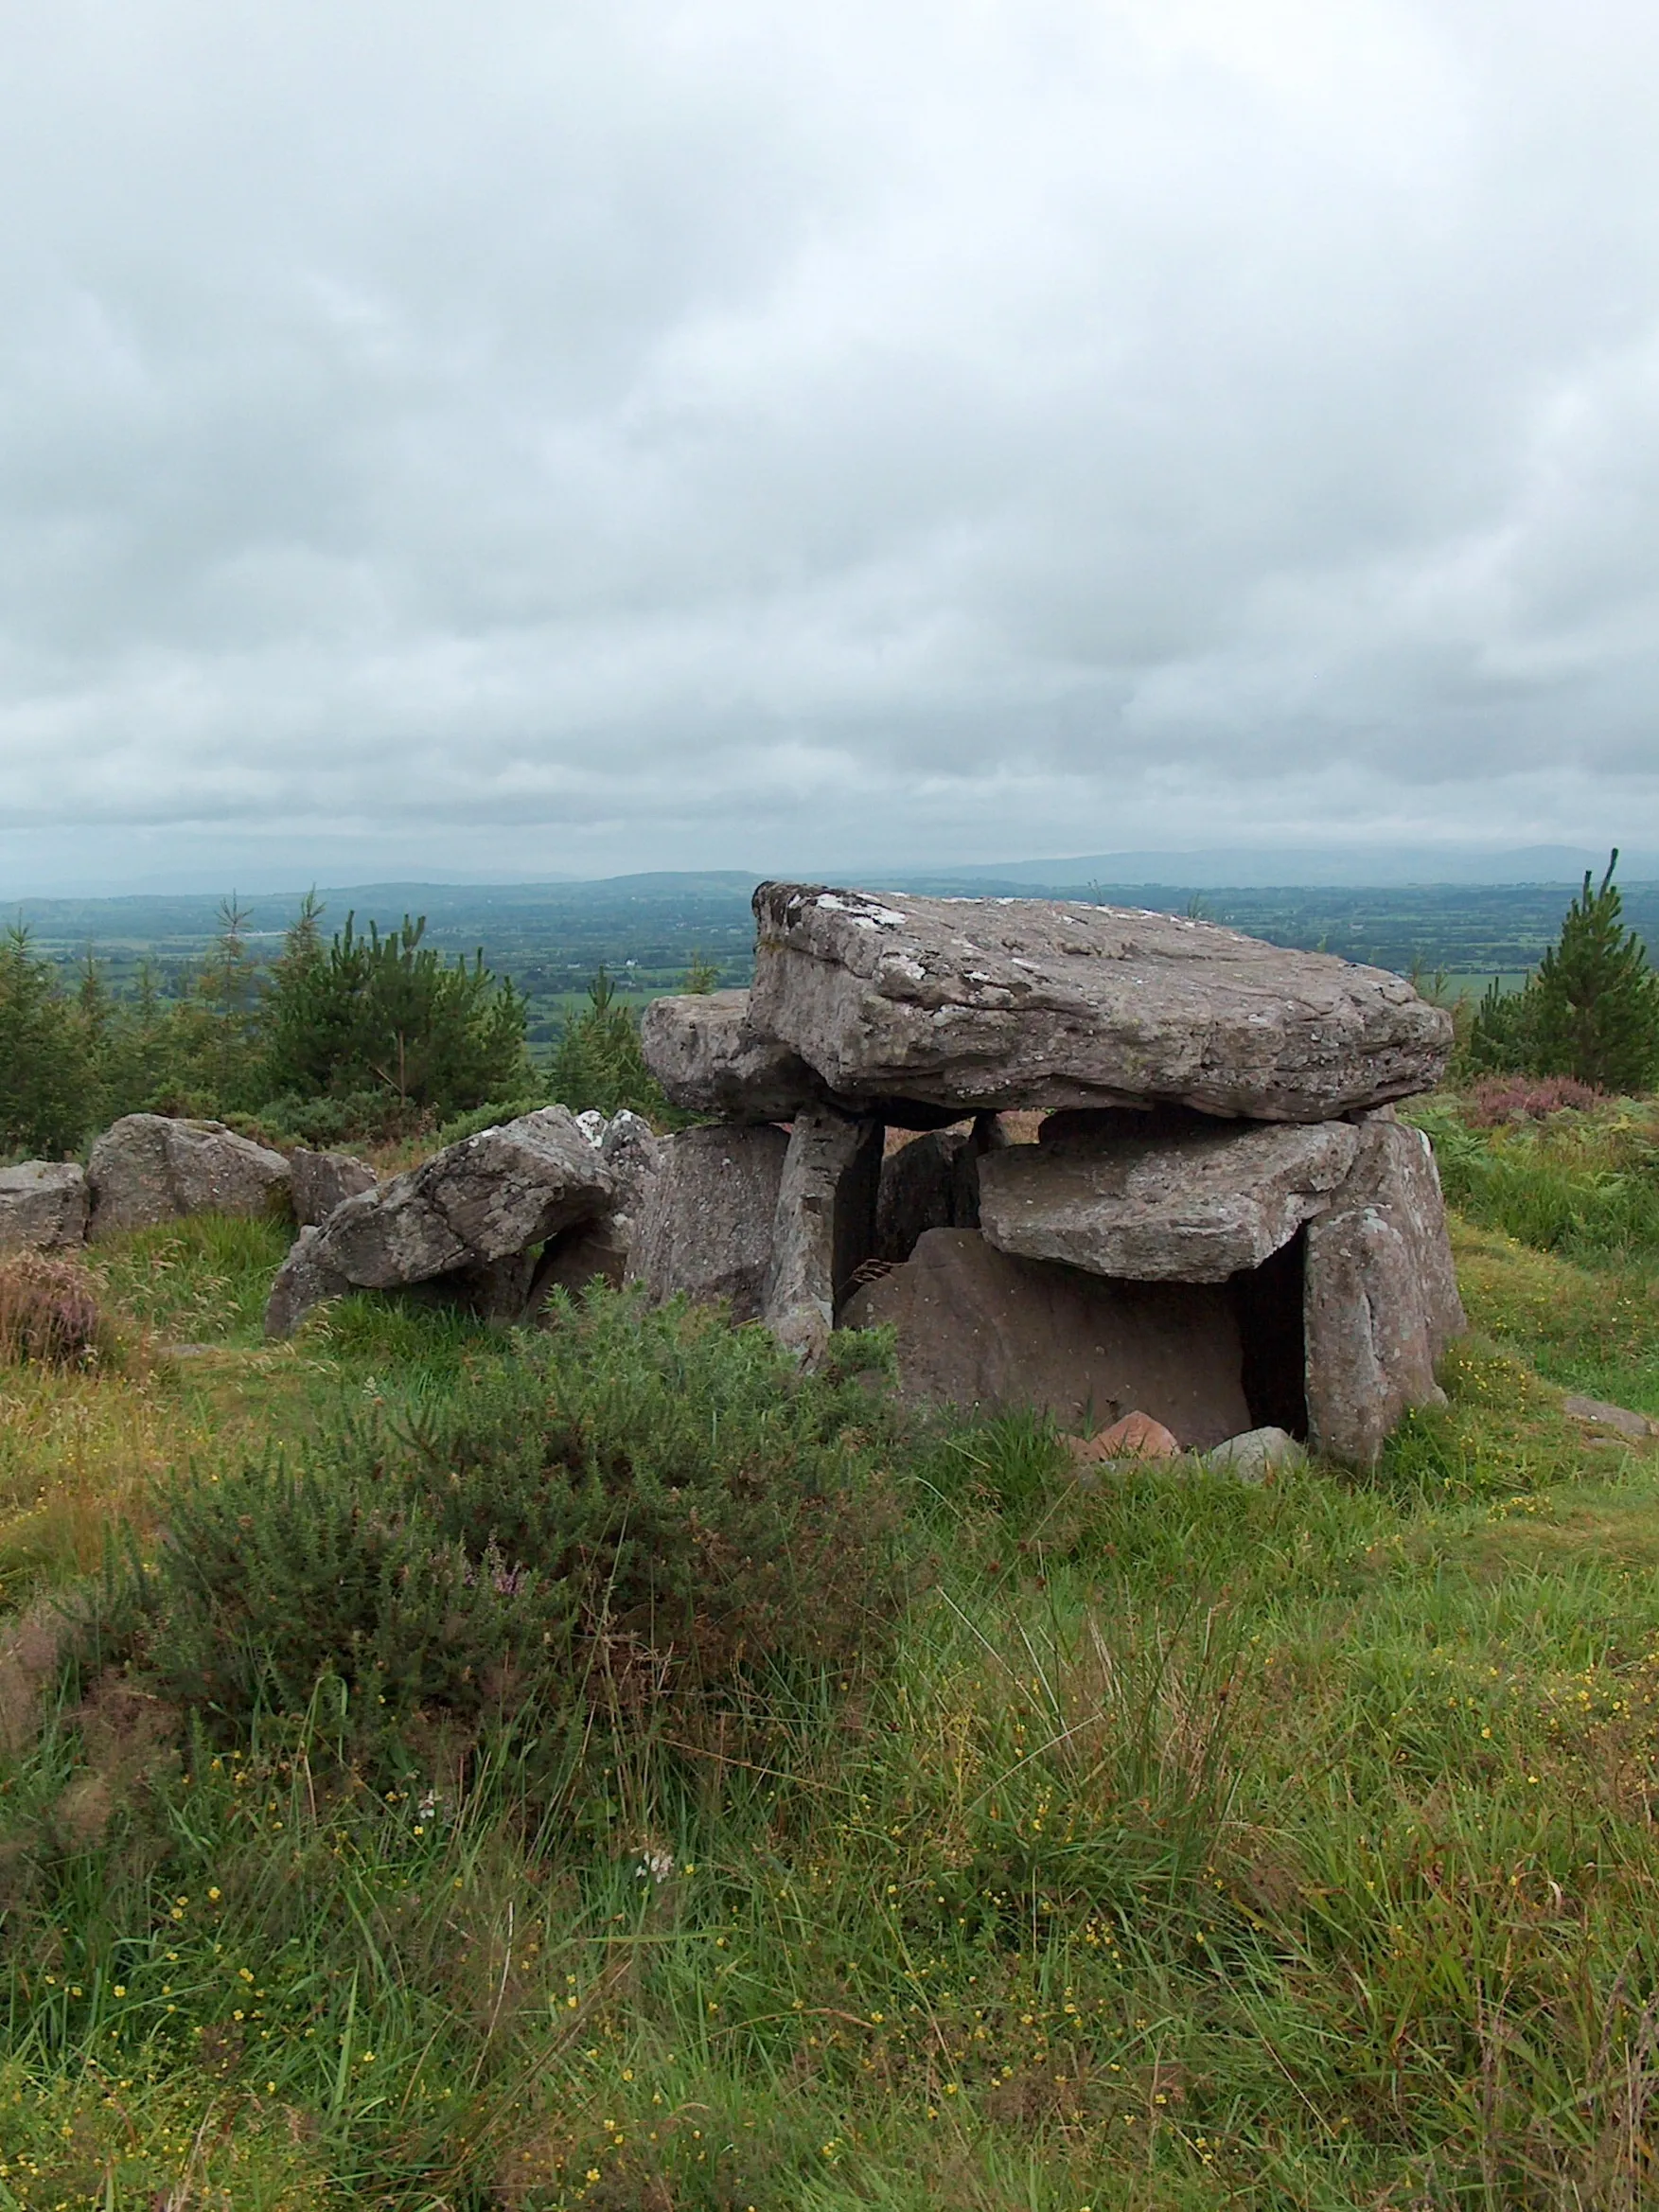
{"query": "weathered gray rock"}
[(1194, 1206), (972, 1003), (979, 1328), (709, 1060), (148, 1168), (1635, 1428), (933, 1182), (486, 1200), (706, 1225), (1257, 1455), (1380, 1303), (44, 1207), (321, 1181), (304, 1279), (632, 1153), (824, 1228), (711, 1057)]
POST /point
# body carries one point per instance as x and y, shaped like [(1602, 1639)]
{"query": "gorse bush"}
[(643, 1511)]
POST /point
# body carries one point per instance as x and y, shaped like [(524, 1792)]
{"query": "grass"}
[(1199, 1844)]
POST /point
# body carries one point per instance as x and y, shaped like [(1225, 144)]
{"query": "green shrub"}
[(643, 1513), (1591, 1012), (386, 1017), (599, 1062)]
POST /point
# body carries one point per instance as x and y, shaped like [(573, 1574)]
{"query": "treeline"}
[(350, 1037)]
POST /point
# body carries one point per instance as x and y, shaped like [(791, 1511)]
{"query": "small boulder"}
[(321, 1181), (979, 1328), (1637, 1428), (1256, 1456), (706, 1224), (1137, 1436), (304, 1279), (44, 1207), (148, 1168)]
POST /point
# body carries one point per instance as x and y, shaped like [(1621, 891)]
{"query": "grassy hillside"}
[(1154, 1842)]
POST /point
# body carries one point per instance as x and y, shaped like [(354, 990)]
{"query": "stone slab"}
[(44, 1207), (979, 1328), (1192, 1207), (705, 1227), (1000, 1003)]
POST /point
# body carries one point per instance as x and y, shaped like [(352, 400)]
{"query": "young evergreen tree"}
[(1595, 1001), (384, 1017), (599, 1062), (46, 1102)]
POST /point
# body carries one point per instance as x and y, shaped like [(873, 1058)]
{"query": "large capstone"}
[(487, 1201), (1194, 1204), (966, 1004), (705, 1228), (44, 1207), (147, 1169), (978, 1329), (1381, 1295)]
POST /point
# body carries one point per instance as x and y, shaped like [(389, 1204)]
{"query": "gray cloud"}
[(553, 437)]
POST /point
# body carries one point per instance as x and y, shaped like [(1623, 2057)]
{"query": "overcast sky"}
[(515, 437)]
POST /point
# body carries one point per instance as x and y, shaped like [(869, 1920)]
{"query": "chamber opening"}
[(1268, 1301)]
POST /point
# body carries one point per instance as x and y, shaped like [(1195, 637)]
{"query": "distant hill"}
[(1372, 867)]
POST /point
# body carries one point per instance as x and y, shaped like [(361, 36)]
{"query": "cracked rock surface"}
[(997, 1003)]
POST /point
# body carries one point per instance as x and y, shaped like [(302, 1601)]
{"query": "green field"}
[(1162, 1842)]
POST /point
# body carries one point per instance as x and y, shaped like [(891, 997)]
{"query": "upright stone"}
[(44, 1207), (978, 1328), (824, 1226), (706, 1225), (321, 1181), (966, 1004), (933, 1182), (148, 1168), (1381, 1301)]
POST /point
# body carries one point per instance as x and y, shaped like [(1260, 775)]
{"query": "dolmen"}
[(1220, 1223)]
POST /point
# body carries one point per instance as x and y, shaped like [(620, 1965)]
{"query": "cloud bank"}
[(529, 438)]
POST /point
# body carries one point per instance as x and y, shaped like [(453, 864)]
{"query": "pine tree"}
[(1595, 1001), (46, 1103)]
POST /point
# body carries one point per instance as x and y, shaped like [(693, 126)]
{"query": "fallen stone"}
[(997, 1004), (979, 1328), (706, 1224), (44, 1207), (485, 1200), (1257, 1456), (1194, 1206), (824, 1228), (321, 1181), (148, 1168), (1380, 1300), (1596, 1413), (1136, 1437)]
